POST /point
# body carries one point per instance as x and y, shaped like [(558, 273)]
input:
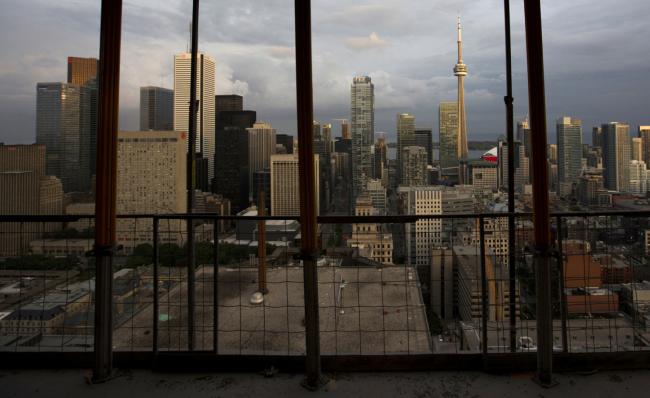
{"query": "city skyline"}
[(414, 86)]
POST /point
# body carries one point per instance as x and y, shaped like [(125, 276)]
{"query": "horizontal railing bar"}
[(321, 219)]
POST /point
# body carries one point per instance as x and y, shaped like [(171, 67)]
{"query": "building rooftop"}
[(379, 311)]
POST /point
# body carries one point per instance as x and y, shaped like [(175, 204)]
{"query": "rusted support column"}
[(537, 110), (106, 184), (512, 274), (308, 226), (191, 162)]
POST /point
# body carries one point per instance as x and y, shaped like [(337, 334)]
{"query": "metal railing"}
[(418, 291)]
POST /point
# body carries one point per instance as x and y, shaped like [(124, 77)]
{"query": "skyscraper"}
[(231, 160), (617, 153), (448, 138), (156, 109), (362, 112), (460, 70), (285, 185), (637, 149), (63, 126), (285, 140), (381, 157), (414, 166), (261, 145), (597, 139), (345, 130), (523, 135), (423, 138), (228, 102), (644, 133), (423, 235), (569, 141), (81, 70), (150, 178), (25, 189), (405, 137), (205, 117)]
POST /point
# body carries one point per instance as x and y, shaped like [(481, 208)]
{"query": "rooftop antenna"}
[(258, 296), (189, 38)]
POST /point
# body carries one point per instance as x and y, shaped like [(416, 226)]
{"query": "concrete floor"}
[(140, 383)]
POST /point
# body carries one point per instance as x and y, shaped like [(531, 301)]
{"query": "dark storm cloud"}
[(596, 57)]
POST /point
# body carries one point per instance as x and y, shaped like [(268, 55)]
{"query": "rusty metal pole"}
[(261, 243), (191, 164), (512, 271), (106, 184), (307, 183), (537, 110)]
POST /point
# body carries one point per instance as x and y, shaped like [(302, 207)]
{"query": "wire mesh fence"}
[(387, 285)]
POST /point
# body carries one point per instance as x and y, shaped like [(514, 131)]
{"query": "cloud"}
[(409, 55), (373, 41), (282, 52)]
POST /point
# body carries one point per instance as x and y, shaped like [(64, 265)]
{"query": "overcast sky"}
[(597, 56)]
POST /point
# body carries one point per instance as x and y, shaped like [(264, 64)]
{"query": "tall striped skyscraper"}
[(362, 113), (205, 118)]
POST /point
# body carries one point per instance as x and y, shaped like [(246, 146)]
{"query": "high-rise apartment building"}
[(569, 151), (151, 172), (261, 145), (82, 70), (205, 117), (414, 166), (285, 185), (156, 109), (151, 178), (644, 134), (405, 136), (423, 235), (638, 177), (362, 112), (377, 192), (63, 125), (448, 139), (617, 153)]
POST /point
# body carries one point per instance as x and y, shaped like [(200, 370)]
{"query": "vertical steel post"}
[(156, 301), (563, 303), (215, 289), (191, 164), (261, 243), (485, 313), (106, 183), (304, 98), (537, 110), (512, 274)]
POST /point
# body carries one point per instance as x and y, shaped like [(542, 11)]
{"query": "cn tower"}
[(460, 70)]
